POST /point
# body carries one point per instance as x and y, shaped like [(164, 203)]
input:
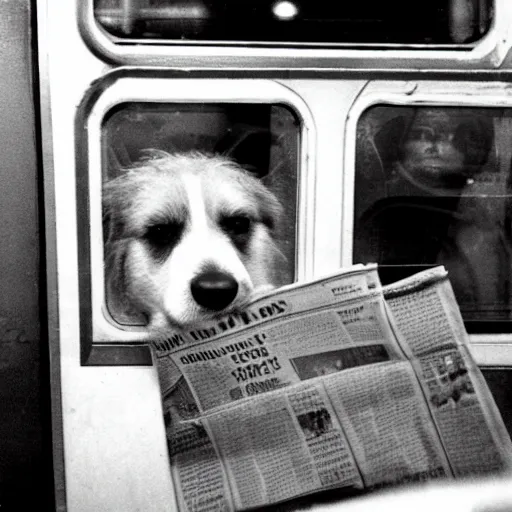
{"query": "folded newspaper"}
[(336, 383)]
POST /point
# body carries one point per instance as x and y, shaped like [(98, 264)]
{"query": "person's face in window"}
[(430, 153)]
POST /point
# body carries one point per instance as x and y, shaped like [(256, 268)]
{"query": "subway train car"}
[(383, 128)]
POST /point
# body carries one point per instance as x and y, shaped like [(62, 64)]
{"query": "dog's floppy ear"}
[(114, 251)]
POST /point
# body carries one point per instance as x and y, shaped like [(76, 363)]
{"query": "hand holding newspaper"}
[(337, 383)]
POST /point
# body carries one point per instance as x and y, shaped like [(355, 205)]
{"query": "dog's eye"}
[(163, 235), (236, 225)]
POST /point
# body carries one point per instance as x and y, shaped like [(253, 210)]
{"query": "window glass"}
[(433, 186), (263, 139), (298, 21)]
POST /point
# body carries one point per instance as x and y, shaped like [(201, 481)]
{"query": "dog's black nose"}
[(213, 289)]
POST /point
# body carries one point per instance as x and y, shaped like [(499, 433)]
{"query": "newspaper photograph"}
[(339, 383)]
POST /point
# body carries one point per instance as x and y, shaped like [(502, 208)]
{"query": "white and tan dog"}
[(188, 237)]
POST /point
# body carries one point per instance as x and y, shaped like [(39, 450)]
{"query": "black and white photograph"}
[(193, 191)]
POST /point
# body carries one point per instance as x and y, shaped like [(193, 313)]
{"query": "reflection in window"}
[(433, 186), (264, 139), (298, 21)]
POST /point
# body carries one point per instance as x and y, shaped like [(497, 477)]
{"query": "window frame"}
[(489, 348), (103, 340), (488, 53)]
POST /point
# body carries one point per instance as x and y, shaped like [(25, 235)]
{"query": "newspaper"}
[(337, 383)]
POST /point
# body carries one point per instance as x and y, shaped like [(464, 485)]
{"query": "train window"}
[(433, 186), (262, 138), (297, 21)]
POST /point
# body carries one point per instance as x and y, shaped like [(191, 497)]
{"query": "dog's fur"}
[(172, 220)]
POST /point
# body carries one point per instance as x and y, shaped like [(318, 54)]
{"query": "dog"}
[(188, 237)]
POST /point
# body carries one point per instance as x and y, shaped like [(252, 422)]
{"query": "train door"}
[(325, 103), (25, 434)]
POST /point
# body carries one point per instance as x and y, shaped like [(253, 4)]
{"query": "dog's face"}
[(188, 237)]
